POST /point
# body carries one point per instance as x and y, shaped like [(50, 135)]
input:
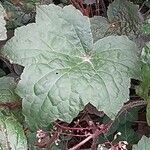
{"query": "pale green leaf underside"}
[(7, 90), (11, 134), (143, 144), (2, 24), (64, 70)]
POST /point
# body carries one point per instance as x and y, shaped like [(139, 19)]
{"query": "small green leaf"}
[(11, 134), (146, 54), (8, 97), (147, 3), (121, 12), (17, 112), (146, 26), (143, 89), (3, 35), (16, 15), (123, 118), (7, 90), (127, 134), (143, 144)]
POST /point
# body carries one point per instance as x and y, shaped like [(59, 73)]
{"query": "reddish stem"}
[(92, 136), (82, 142)]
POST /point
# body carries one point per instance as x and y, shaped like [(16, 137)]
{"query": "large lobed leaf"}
[(64, 70), (143, 144), (11, 134), (2, 24)]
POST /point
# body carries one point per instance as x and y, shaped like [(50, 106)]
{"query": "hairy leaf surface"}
[(65, 70), (143, 144)]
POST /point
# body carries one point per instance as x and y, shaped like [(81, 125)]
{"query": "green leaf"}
[(8, 97), (146, 26), (143, 144), (7, 90), (16, 15), (99, 27), (125, 117), (143, 89), (17, 112), (148, 112), (3, 35), (147, 3), (121, 21), (127, 134), (64, 70), (11, 134), (62, 93), (121, 12), (70, 35), (146, 54)]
